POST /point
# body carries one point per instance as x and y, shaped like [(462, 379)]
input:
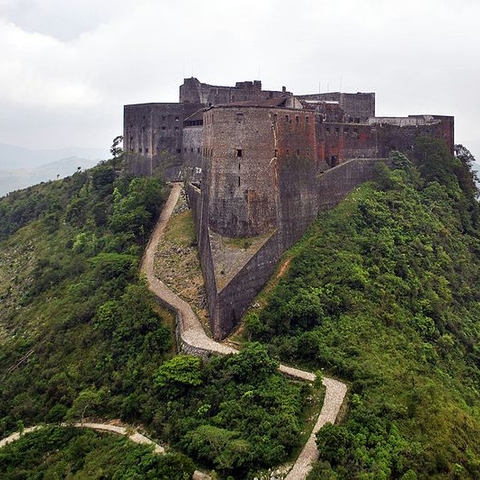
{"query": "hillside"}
[(15, 157), (81, 336), (383, 292)]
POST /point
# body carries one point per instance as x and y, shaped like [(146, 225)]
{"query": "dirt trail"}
[(193, 334), (101, 427)]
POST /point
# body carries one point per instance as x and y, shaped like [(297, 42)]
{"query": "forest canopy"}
[(383, 292)]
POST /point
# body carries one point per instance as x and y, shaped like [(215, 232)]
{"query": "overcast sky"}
[(67, 67)]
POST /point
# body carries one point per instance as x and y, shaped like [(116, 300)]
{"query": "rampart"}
[(267, 162), (229, 302)]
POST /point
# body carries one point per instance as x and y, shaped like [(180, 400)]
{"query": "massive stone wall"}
[(239, 171), (152, 132), (227, 303), (236, 297)]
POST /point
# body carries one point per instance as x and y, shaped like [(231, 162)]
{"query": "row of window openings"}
[(239, 153), (208, 152), (345, 130), (287, 119), (164, 117), (177, 129), (140, 150)]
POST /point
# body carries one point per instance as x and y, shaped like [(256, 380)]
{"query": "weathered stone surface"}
[(270, 161), (192, 339)]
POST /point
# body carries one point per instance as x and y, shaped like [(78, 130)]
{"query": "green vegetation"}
[(237, 413), (383, 292), (68, 452), (82, 337)]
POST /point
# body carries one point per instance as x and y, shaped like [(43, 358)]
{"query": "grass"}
[(177, 263)]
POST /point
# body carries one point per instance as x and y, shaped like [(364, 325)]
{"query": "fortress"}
[(260, 165)]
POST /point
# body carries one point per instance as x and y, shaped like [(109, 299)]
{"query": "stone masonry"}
[(263, 163)]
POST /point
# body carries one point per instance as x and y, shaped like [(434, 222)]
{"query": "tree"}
[(180, 372), (116, 150)]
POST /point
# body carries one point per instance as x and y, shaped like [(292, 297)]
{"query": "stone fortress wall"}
[(263, 164)]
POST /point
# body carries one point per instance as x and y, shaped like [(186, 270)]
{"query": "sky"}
[(67, 67)]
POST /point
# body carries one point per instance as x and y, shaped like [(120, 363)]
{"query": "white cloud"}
[(83, 59), (39, 70)]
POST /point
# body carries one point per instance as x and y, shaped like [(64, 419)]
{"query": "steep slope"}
[(82, 337), (383, 292)]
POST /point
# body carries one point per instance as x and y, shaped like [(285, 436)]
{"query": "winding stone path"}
[(101, 427), (193, 339)]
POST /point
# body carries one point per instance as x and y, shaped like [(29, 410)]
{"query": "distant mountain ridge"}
[(22, 167), (15, 157), (15, 179)]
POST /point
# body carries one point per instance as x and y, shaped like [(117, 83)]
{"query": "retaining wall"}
[(228, 304)]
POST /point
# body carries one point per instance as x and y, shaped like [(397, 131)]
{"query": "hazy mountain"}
[(22, 167), (15, 179), (14, 157)]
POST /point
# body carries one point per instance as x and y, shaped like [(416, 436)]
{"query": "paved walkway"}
[(101, 427), (107, 427), (192, 334)]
